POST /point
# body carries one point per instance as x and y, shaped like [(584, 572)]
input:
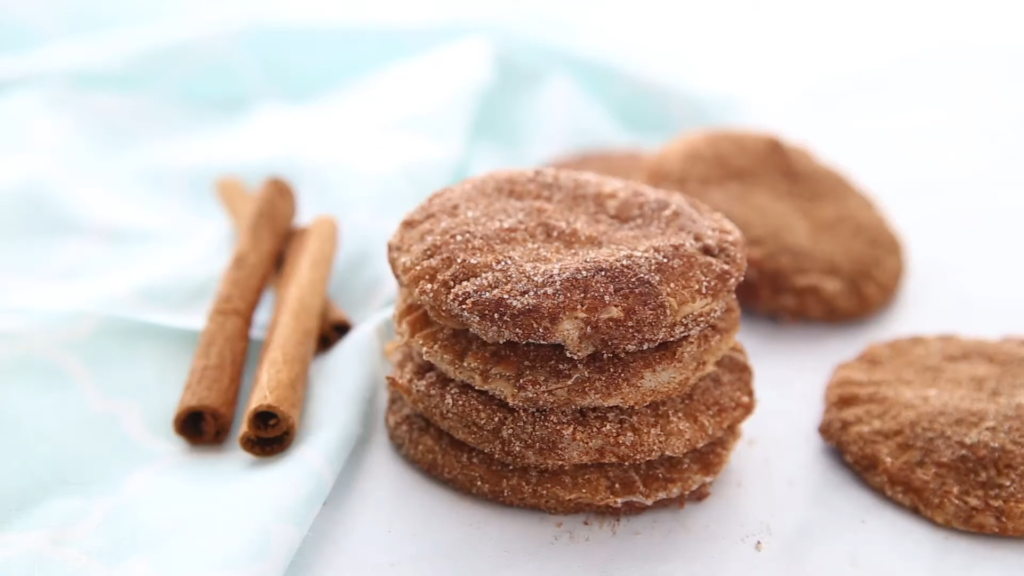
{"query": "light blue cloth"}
[(112, 241)]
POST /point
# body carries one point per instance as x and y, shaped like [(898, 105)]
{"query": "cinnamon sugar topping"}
[(937, 424), (542, 255)]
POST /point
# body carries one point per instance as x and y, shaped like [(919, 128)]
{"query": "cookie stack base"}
[(605, 488), (556, 438)]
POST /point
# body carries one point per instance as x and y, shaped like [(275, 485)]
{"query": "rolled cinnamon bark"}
[(279, 389), (207, 405), (334, 323)]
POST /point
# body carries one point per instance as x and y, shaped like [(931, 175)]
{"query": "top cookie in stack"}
[(560, 330)]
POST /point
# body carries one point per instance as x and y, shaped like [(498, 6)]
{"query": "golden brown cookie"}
[(937, 424), (556, 438), (571, 258), (611, 488), (542, 376), (625, 164), (816, 246)]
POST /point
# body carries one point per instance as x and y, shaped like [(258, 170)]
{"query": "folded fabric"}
[(112, 242)]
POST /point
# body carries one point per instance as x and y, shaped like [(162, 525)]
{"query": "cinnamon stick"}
[(207, 405), (334, 323), (279, 389)]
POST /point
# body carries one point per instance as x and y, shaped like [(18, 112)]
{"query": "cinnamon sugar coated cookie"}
[(542, 376), (571, 258), (816, 246), (625, 164), (937, 424), (610, 488), (558, 438)]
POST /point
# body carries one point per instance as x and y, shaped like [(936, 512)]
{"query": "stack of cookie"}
[(566, 341)]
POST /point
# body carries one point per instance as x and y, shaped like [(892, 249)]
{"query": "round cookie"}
[(555, 438), (607, 488), (817, 248), (937, 424), (542, 376), (571, 258), (625, 164)]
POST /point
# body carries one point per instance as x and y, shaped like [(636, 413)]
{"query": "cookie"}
[(561, 257), (556, 438), (607, 488), (542, 376), (937, 424), (817, 248), (625, 164)]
